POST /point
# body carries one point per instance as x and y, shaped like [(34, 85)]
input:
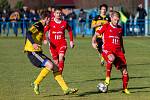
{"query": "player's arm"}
[(94, 43), (122, 45), (32, 30), (121, 42), (46, 28), (70, 35)]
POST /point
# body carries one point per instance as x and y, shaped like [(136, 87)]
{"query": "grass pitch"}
[(82, 70)]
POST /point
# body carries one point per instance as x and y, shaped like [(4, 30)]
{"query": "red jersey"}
[(111, 36), (57, 31)]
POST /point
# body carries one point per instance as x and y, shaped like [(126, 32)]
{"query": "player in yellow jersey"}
[(34, 38), (97, 22)]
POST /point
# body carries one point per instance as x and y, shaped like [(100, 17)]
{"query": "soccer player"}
[(97, 23), (56, 35), (113, 49), (34, 38)]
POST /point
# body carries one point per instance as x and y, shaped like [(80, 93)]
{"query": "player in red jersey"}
[(113, 49), (57, 40)]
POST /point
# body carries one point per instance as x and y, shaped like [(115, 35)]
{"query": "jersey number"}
[(57, 37), (115, 41)]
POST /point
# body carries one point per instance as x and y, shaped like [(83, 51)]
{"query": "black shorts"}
[(38, 59), (99, 44)]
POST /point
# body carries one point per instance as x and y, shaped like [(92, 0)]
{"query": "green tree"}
[(4, 4), (19, 5)]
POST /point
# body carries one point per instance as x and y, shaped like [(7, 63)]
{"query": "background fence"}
[(130, 28)]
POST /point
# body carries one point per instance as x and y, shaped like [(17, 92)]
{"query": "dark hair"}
[(45, 14), (81, 9), (115, 13), (57, 8), (103, 5)]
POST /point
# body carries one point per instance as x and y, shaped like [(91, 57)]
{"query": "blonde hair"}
[(115, 13)]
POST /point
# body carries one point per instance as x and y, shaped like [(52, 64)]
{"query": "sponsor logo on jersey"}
[(59, 32), (62, 27), (110, 30)]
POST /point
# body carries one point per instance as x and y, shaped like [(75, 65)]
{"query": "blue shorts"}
[(38, 59)]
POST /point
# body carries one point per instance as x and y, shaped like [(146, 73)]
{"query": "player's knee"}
[(111, 58), (61, 57), (124, 72), (49, 65), (56, 62), (55, 57), (125, 75)]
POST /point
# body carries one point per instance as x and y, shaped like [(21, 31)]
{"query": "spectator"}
[(110, 11), (51, 11), (5, 19), (92, 15), (130, 30), (24, 20), (0, 22), (64, 14), (141, 18), (72, 21), (123, 20), (34, 16), (82, 21), (14, 17)]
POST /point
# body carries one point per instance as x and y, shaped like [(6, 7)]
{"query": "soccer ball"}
[(102, 87)]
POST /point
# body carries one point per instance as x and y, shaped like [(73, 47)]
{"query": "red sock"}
[(61, 66), (108, 69), (125, 79)]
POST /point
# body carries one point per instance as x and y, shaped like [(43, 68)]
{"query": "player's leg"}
[(54, 55), (62, 52), (102, 60), (37, 59), (44, 72), (58, 77), (61, 62), (125, 79), (49, 65), (99, 48), (121, 64), (109, 58)]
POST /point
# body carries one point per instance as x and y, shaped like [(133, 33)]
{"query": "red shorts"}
[(56, 49), (120, 60)]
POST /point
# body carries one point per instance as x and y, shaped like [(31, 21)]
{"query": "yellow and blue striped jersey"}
[(100, 19), (36, 33)]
